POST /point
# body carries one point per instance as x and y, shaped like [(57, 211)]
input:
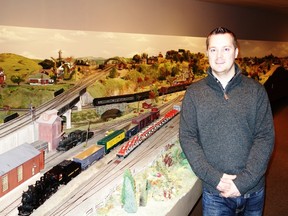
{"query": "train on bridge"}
[(128, 98)]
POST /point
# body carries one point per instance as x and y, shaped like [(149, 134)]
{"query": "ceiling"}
[(278, 6)]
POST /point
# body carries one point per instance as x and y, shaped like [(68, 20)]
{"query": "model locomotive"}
[(48, 184), (140, 129), (73, 139)]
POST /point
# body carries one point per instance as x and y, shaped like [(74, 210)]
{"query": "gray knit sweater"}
[(233, 135)]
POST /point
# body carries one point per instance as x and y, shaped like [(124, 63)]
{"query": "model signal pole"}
[(87, 133)]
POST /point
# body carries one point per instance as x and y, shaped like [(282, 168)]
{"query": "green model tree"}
[(16, 79), (128, 196)]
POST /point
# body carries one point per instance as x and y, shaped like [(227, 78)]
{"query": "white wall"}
[(164, 17)]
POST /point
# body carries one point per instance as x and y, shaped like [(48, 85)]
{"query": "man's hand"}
[(227, 187)]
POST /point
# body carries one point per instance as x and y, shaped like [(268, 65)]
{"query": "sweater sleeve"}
[(262, 146), (191, 146)]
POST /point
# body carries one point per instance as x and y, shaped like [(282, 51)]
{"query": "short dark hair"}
[(221, 30)]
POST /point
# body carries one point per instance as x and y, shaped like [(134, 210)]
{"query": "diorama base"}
[(173, 188), (185, 204)]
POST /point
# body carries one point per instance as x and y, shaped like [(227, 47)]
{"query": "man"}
[(227, 132)]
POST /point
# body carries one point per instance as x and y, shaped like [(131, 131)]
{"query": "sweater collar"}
[(214, 82)]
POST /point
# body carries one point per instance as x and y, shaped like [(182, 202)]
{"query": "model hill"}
[(18, 65)]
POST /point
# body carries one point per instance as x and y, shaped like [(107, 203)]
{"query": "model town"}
[(145, 83)]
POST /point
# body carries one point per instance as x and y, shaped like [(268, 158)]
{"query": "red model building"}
[(18, 165)]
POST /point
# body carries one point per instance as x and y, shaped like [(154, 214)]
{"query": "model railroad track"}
[(114, 172), (107, 174), (101, 178), (51, 158), (55, 103), (10, 209)]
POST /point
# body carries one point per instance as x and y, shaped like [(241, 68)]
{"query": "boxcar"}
[(112, 140), (132, 130), (89, 156), (146, 119)]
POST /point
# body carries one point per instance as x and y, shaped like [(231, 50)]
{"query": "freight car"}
[(144, 134), (68, 106), (73, 139), (119, 136), (181, 86), (11, 117), (48, 184), (146, 119), (89, 156), (112, 140)]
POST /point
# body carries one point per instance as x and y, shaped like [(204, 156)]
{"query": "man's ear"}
[(236, 52)]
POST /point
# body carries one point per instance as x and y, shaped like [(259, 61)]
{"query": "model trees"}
[(128, 196)]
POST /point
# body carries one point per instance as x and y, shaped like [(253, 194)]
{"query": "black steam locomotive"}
[(74, 138), (48, 184)]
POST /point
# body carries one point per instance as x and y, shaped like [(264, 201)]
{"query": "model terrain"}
[(159, 186), (27, 83)]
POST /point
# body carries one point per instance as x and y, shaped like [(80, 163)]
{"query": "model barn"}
[(18, 165), (40, 79)]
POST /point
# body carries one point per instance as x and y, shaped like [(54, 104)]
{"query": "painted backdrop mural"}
[(44, 43), (56, 59)]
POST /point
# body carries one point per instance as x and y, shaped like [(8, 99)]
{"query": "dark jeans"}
[(247, 205)]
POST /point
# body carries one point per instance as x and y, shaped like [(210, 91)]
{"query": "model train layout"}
[(141, 128)]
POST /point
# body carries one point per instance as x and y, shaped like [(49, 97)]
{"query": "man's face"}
[(221, 53)]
